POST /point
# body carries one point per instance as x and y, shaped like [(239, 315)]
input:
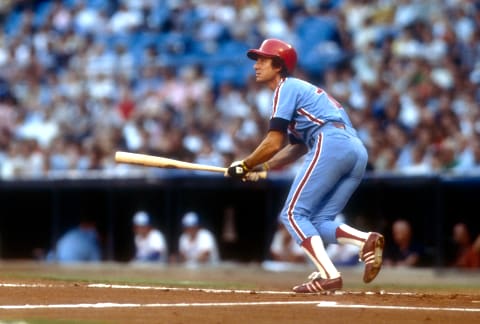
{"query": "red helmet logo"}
[(276, 48)]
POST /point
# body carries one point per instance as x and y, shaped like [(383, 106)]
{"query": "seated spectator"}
[(343, 254), (79, 244), (466, 255), (284, 249), (476, 244), (403, 250), (284, 253), (150, 243), (196, 245)]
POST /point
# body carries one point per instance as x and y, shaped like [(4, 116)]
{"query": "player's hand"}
[(237, 169), (254, 176)]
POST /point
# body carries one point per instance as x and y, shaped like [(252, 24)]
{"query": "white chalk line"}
[(206, 290), (321, 304), (153, 305), (330, 304), (244, 291)]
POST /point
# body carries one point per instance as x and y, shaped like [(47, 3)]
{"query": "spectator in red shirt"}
[(466, 256)]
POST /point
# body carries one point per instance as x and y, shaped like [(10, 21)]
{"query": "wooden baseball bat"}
[(162, 162)]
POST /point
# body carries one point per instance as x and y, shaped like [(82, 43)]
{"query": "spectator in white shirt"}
[(197, 245), (343, 254), (150, 243), (284, 249)]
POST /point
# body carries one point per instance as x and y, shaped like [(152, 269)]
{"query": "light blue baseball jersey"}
[(333, 167), (307, 107)]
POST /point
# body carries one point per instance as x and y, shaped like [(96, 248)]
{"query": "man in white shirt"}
[(343, 254), (197, 245), (150, 243), (284, 249)]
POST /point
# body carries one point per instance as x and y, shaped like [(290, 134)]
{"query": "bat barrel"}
[(162, 162)]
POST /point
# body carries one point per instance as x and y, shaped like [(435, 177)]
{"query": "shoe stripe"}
[(311, 287), (367, 255), (370, 259), (373, 257), (318, 286), (314, 286)]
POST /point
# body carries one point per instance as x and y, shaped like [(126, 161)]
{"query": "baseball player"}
[(150, 243), (335, 159), (197, 245)]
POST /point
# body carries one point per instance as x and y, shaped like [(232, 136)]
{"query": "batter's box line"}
[(208, 290), (244, 291)]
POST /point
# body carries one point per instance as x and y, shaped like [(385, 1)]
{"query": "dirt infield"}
[(230, 293)]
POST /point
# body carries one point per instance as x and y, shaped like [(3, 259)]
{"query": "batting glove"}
[(237, 169), (254, 176)]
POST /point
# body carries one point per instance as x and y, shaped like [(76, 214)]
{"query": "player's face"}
[(264, 71), (142, 230)]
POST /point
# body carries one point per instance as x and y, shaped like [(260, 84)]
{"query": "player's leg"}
[(371, 243), (327, 277), (306, 235), (306, 193)]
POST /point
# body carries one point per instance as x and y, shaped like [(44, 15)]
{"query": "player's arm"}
[(287, 155), (273, 142), (271, 145)]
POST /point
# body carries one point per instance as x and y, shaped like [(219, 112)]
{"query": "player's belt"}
[(337, 124)]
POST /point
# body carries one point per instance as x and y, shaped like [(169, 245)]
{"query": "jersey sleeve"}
[(285, 100)]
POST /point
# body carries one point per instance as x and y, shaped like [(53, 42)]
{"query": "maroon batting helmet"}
[(276, 48)]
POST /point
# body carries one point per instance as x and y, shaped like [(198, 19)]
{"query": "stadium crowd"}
[(81, 79)]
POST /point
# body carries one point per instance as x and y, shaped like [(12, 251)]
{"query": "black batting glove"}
[(238, 170)]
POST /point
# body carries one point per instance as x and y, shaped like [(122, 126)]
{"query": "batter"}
[(318, 128)]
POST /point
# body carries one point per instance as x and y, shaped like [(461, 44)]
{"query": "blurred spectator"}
[(196, 245), (174, 90), (87, 19), (207, 155), (418, 164), (60, 16), (466, 255), (150, 243), (410, 80), (25, 159), (403, 250), (343, 254), (230, 96), (79, 244), (124, 20), (284, 249), (470, 164), (5, 6)]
